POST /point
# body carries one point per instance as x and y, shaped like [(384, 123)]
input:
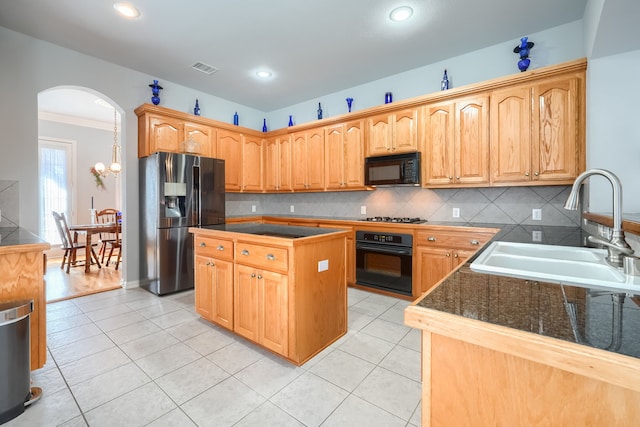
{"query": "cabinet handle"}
[(431, 239), (458, 178), (253, 274), (213, 264), (259, 276), (245, 252), (526, 174), (448, 254), (203, 244), (271, 257), (536, 173), (455, 255), (474, 242), (221, 248), (450, 178)]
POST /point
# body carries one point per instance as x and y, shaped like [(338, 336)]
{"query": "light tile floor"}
[(128, 357)]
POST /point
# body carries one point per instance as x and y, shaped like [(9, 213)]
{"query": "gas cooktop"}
[(396, 220)]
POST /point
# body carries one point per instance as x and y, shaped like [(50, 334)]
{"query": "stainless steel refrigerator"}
[(177, 191)]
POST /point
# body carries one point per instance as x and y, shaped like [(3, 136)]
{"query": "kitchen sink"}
[(567, 265)]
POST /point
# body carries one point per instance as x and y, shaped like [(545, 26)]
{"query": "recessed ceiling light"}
[(401, 13), (264, 74), (127, 10)]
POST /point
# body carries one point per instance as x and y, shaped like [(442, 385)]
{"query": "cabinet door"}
[(271, 165), (315, 159), (246, 303), (203, 137), (229, 148), (510, 130), (556, 118), (284, 158), (405, 131), (471, 141), (438, 156), (223, 293), (166, 134), (252, 157), (273, 323), (380, 129), (334, 162), (353, 163), (204, 287), (299, 162), (433, 265)]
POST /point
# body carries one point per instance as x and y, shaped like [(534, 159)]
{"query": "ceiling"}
[(313, 48)]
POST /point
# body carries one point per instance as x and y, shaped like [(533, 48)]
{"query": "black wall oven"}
[(383, 261)]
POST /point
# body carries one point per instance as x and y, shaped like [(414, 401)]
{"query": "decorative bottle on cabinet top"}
[(444, 85), (264, 125), (319, 111), (236, 119)]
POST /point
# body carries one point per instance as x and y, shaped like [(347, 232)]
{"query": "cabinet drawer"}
[(214, 247), (452, 239), (266, 257)]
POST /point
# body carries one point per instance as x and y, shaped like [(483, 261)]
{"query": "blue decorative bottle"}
[(196, 109), (444, 85), (155, 91), (236, 119), (264, 125), (290, 120), (319, 111)]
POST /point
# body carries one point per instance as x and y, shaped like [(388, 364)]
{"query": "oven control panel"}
[(385, 238)]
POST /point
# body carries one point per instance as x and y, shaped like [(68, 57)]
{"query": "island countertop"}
[(289, 235), (16, 239)]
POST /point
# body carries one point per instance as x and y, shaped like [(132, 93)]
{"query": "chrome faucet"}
[(617, 246)]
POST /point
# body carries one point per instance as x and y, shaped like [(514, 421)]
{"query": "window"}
[(56, 171)]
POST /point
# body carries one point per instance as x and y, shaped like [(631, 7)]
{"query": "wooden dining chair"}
[(70, 246), (114, 244), (106, 216)]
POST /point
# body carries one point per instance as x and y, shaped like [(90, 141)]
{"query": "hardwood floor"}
[(61, 286)]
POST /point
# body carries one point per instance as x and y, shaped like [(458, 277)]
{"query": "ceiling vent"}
[(205, 68)]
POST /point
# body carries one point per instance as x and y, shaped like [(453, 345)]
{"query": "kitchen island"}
[(504, 351), (282, 287), (22, 267)]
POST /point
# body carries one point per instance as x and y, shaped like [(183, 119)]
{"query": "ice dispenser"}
[(174, 199)]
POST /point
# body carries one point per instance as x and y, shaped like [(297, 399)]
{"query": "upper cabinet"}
[(229, 148), (344, 156), (456, 142), (277, 155), (252, 156), (393, 133), (537, 132), (308, 158)]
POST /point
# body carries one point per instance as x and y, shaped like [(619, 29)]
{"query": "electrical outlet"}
[(292, 209), (536, 214), (536, 236), (455, 213), (253, 208), (363, 210)]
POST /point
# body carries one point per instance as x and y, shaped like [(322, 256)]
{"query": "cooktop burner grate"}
[(405, 220)]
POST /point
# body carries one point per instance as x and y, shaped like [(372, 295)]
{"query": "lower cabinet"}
[(214, 280), (439, 252), (261, 309)]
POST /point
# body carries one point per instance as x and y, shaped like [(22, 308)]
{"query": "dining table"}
[(89, 230)]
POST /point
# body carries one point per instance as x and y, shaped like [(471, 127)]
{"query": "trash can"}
[(15, 358)]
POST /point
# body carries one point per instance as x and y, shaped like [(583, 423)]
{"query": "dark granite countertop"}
[(16, 236), (595, 318), (272, 230)]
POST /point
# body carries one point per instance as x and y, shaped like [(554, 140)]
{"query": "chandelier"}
[(116, 166)]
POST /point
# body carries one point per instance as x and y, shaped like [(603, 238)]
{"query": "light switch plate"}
[(363, 210), (455, 213), (291, 209), (323, 265), (253, 208), (536, 214), (536, 236)]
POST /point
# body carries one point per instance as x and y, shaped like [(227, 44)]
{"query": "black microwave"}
[(397, 169)]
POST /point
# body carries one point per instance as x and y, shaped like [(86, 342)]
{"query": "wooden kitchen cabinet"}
[(393, 133), (537, 132), (456, 142), (261, 310), (440, 251), (229, 148), (252, 156), (308, 158), (214, 280), (344, 161), (162, 132), (277, 154)]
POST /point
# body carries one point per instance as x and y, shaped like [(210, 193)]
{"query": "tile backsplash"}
[(499, 205), (9, 203)]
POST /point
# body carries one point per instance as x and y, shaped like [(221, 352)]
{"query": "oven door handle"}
[(383, 249)]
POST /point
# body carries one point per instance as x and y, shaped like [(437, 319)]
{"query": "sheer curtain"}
[(55, 184)]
